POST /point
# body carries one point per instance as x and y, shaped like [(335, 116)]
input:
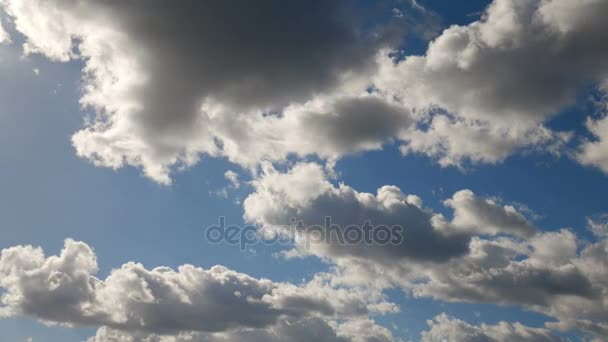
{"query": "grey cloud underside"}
[(446, 328), (488, 252), (208, 304)]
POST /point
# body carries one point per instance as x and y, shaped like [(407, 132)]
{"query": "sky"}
[(129, 129)]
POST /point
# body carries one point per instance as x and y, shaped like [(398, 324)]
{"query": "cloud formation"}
[(210, 80), (445, 328), (63, 289), (4, 36), (224, 81), (487, 252)]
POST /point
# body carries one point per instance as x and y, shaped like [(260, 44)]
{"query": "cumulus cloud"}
[(317, 81), (595, 152), (498, 79), (304, 194), (214, 79), (599, 225), (444, 328), (303, 330), (597, 329), (546, 274), (63, 289), (487, 252), (4, 36), (486, 216), (233, 178)]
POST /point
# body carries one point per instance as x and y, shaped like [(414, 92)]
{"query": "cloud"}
[(546, 274), (317, 82), (304, 194), (596, 329), (595, 152), (214, 79), (599, 225), (488, 252), (63, 290), (486, 216), (233, 178), (446, 328), (303, 330), (4, 36), (499, 79)]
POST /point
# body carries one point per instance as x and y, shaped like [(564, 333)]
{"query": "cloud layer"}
[(222, 80)]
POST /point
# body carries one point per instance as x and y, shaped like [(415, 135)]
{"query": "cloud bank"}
[(216, 304)]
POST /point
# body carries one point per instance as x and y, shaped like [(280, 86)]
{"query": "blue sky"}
[(49, 193)]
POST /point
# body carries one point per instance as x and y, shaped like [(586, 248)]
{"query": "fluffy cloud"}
[(595, 152), (488, 252), (4, 36), (599, 225), (213, 79), (317, 81), (445, 328), (501, 77), (304, 194), (596, 329), (63, 289), (484, 215), (308, 329), (546, 274)]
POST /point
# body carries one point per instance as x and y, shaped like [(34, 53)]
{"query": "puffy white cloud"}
[(599, 225), (485, 216), (597, 329), (166, 92), (444, 328), (233, 178), (500, 78), (545, 274), (595, 152), (304, 194), (4, 36), (488, 252), (63, 289)]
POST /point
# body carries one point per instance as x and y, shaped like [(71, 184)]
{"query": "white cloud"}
[(233, 178), (304, 193), (445, 328), (302, 330), (486, 216), (599, 225), (595, 153), (164, 100), (500, 78), (4, 36), (63, 289)]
